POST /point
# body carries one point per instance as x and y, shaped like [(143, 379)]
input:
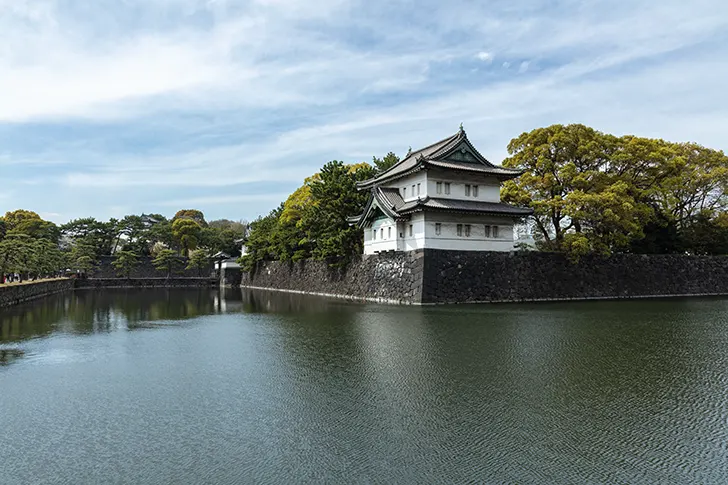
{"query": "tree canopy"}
[(598, 193)]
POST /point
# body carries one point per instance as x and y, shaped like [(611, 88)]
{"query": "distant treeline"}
[(32, 247)]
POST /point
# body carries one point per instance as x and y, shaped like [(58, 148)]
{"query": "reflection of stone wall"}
[(437, 276), (146, 282), (230, 277), (104, 269), (390, 277), (14, 294)]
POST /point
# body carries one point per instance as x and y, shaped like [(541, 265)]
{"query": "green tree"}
[(125, 262), (199, 260), (334, 198), (45, 258), (187, 232), (15, 254), (191, 214), (82, 257), (384, 164), (583, 199), (260, 244), (168, 261)]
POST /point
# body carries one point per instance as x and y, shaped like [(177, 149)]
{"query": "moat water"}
[(187, 386)]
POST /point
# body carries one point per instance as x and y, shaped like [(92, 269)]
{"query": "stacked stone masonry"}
[(14, 294), (435, 276)]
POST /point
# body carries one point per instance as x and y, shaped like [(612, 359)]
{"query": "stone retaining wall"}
[(436, 276), (463, 276), (388, 277), (14, 294), (146, 283)]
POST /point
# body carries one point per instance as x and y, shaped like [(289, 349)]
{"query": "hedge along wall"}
[(14, 294), (438, 276)]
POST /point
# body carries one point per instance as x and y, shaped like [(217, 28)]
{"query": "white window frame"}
[(459, 230), (467, 190), (438, 187), (438, 229), (447, 188), (495, 232), (487, 231), (475, 191), (467, 230)]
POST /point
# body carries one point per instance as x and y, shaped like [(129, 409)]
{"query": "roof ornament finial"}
[(462, 129), (409, 151)]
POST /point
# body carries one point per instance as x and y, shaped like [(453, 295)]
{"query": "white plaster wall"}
[(417, 240), (448, 238), (386, 243), (414, 179), (488, 187)]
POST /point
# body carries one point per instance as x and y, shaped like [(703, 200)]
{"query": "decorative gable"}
[(463, 153)]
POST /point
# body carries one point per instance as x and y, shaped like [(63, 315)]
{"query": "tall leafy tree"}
[(125, 262), (192, 214), (187, 232), (199, 260), (168, 261), (385, 163), (334, 198)]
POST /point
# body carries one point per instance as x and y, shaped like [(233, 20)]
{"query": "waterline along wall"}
[(14, 294), (434, 276)]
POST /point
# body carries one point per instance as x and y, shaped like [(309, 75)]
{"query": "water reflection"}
[(285, 388), (89, 311)]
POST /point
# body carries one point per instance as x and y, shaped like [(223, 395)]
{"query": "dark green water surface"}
[(187, 386)]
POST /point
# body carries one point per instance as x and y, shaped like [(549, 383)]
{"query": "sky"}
[(114, 107)]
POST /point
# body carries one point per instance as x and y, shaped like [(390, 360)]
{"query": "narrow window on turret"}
[(487, 231), (475, 190), (495, 232), (467, 190), (438, 229), (413, 190), (467, 230), (460, 230), (404, 192), (447, 187), (374, 235), (389, 233), (410, 233), (438, 186), (381, 233), (418, 189)]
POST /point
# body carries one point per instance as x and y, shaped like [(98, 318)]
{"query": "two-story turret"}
[(444, 196)]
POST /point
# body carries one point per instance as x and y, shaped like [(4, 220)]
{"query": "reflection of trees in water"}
[(88, 311), (263, 301)]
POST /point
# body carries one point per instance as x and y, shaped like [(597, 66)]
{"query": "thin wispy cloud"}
[(228, 105)]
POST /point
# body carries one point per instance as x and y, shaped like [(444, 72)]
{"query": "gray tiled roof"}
[(472, 167), (435, 155), (464, 206), (391, 196)]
